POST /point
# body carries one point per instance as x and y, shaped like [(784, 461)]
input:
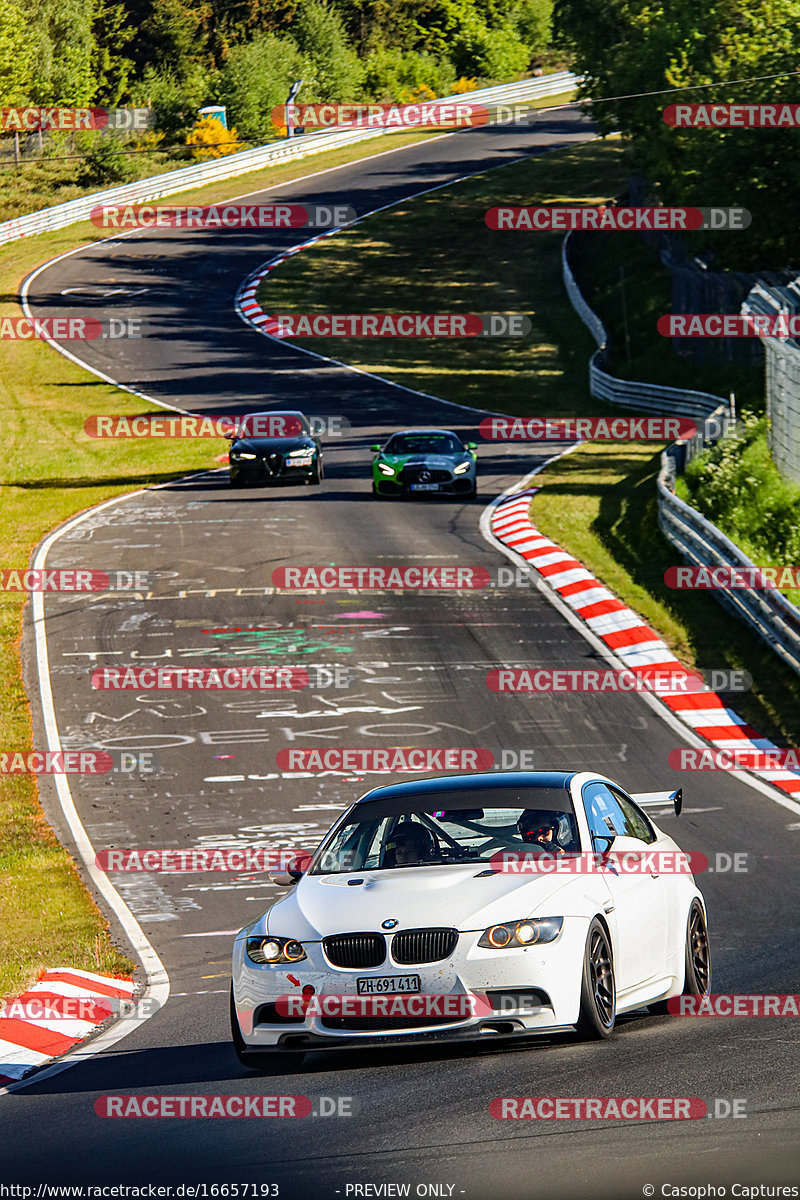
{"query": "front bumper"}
[(261, 470), (459, 485), (550, 972)]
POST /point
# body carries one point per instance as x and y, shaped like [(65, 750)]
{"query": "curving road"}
[(418, 661)]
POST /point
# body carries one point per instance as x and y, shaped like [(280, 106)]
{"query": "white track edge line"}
[(157, 979)]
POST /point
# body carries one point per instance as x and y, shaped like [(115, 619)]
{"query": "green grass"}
[(436, 254), (600, 501), (738, 487), (49, 471)]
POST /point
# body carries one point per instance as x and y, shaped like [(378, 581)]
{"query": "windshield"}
[(424, 443), (273, 425), (421, 831)]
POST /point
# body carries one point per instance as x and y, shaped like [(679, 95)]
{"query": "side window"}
[(636, 823), (606, 818)]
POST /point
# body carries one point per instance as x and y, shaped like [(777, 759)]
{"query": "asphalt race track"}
[(417, 661)]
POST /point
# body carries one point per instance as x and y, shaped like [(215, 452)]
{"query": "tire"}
[(598, 1009), (696, 961), (262, 1060)]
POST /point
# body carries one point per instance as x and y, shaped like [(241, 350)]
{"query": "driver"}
[(539, 827), (411, 844)]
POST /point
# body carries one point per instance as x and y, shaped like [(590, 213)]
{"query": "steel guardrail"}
[(699, 541), (58, 216)]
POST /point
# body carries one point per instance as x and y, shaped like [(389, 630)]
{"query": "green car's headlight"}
[(385, 469)]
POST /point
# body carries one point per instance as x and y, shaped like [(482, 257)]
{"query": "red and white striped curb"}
[(246, 301), (626, 634), (27, 1043)]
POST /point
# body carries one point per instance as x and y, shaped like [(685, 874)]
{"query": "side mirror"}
[(284, 878), (295, 869), (472, 445), (375, 449)]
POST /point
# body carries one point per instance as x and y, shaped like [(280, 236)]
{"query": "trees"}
[(16, 55), (629, 47)]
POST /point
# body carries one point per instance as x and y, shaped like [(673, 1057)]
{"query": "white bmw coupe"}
[(494, 905)]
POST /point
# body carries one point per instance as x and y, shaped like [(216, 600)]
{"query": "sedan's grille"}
[(423, 945), (355, 950), (423, 475)]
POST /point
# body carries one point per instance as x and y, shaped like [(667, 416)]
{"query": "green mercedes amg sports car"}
[(424, 461)]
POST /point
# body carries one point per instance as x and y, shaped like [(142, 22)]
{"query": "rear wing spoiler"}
[(659, 799)]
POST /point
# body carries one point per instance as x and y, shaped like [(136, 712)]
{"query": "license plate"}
[(382, 985), (424, 487), (299, 462)]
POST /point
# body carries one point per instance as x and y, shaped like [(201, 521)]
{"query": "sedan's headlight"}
[(461, 468), (242, 454), (274, 951), (385, 469), (304, 450), (513, 934)]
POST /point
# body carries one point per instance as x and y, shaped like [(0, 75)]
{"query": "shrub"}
[(210, 139), (106, 163)]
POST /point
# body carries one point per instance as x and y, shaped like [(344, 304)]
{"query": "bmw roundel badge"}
[(390, 924)]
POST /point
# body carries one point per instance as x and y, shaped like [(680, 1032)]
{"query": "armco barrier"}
[(700, 543), (774, 617), (145, 190)]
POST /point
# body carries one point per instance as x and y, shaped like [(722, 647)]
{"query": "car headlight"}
[(242, 454), (461, 468), (513, 934), (385, 469), (274, 951), (304, 451)]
